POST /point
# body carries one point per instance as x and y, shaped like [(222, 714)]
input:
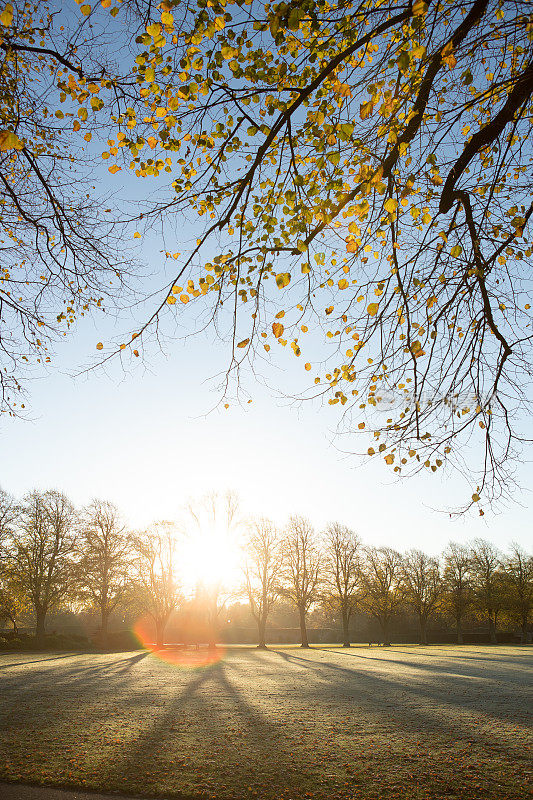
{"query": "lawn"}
[(404, 722)]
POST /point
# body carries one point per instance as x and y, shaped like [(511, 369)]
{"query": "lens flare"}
[(189, 655)]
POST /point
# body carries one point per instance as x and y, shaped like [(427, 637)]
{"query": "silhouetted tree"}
[(44, 553), (457, 572), (422, 585), (106, 560), (519, 577), (487, 582), (262, 567), (382, 581), (156, 566), (301, 571), (342, 573)]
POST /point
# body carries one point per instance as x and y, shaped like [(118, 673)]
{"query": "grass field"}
[(405, 722)]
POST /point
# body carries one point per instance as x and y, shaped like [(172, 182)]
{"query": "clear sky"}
[(142, 440)]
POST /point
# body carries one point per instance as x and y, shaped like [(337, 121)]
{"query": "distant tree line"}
[(54, 556)]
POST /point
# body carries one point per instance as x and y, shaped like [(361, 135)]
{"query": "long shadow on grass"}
[(386, 696), (436, 652), (37, 661), (447, 666), (232, 744), (72, 673), (33, 692)]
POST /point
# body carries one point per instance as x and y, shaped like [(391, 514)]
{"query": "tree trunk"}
[(212, 625), (459, 631), (385, 631), (262, 633), (524, 630), (303, 629), (15, 626), (423, 631), (345, 632), (40, 617), (159, 634), (104, 624), (492, 631)]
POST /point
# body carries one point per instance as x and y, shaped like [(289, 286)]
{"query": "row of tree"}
[(53, 556)]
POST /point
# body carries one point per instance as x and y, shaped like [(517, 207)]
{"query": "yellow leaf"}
[(475, 497), (277, 329), (136, 235), (448, 56), (366, 109), (243, 343), (342, 90), (153, 30), (371, 451), (184, 298), (114, 169), (10, 141), (136, 353), (391, 205), (283, 279), (99, 346), (167, 18), (171, 300), (373, 309), (307, 366), (389, 459), (86, 10), (343, 284), (419, 7), (6, 17)]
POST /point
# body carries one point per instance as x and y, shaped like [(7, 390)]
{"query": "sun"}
[(212, 558)]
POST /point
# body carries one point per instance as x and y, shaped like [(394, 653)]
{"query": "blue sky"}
[(142, 439)]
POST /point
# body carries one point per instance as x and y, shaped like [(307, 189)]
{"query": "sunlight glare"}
[(210, 557)]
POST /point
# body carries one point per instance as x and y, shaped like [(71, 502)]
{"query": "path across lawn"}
[(421, 723)]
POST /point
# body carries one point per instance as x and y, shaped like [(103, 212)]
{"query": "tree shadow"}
[(36, 661), (461, 670), (434, 706), (215, 711)]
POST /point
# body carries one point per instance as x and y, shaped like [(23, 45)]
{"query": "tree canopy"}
[(361, 176)]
